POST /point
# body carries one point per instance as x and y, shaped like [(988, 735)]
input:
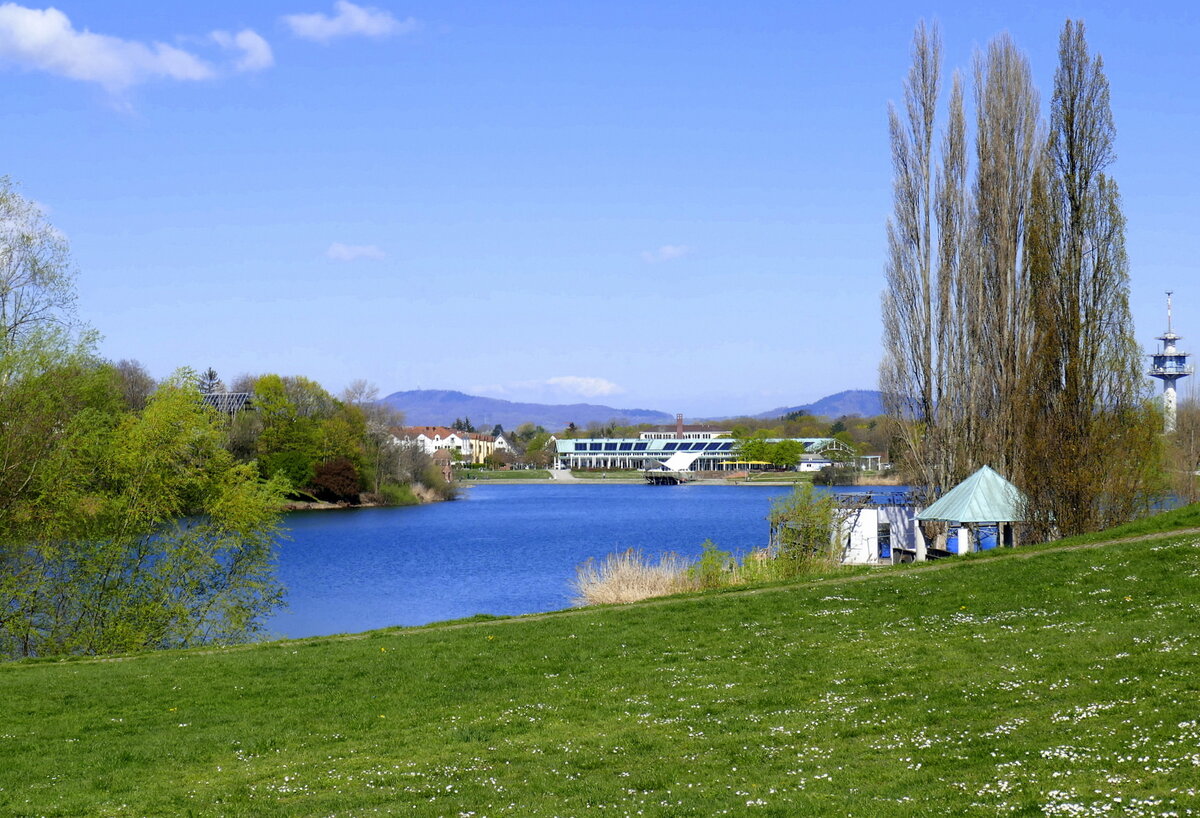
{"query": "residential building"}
[(472, 447)]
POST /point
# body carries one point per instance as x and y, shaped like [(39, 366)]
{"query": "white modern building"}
[(658, 454)]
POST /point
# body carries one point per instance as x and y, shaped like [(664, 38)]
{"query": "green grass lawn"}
[(1031, 683), (510, 474), (780, 477), (612, 474)]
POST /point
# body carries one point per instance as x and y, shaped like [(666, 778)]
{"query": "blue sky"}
[(677, 206)]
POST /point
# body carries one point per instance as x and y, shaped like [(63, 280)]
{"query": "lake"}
[(499, 550)]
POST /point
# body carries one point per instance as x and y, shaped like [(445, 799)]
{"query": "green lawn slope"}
[(1043, 682)]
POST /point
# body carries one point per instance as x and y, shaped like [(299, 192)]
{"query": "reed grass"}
[(631, 576)]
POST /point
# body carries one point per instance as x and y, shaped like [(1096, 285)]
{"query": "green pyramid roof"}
[(984, 497)]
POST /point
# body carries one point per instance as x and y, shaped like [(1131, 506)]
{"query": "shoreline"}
[(629, 482)]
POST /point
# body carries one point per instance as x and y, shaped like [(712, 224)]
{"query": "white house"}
[(472, 447)]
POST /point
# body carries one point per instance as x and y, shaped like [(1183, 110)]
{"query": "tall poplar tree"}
[(1091, 438), (1016, 349), (908, 377)]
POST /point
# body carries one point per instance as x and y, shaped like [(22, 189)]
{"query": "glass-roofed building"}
[(655, 454)]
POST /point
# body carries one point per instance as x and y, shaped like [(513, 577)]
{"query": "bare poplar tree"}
[(924, 370), (955, 421), (996, 317), (1016, 349), (907, 375)]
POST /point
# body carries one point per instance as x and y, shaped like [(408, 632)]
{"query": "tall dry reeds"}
[(631, 576)]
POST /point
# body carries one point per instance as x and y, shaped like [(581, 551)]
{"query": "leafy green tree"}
[(754, 450), (803, 528), (45, 381), (1091, 444), (140, 532), (289, 445), (786, 453)]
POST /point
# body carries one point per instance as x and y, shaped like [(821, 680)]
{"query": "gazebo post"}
[(919, 542)]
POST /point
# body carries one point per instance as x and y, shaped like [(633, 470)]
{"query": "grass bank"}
[(467, 475), (1037, 682), (612, 474)]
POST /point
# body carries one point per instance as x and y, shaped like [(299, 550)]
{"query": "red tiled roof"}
[(428, 431)]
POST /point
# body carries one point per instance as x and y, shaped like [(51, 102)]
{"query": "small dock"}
[(667, 478)]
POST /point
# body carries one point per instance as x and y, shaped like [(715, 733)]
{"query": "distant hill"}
[(439, 407), (863, 402)]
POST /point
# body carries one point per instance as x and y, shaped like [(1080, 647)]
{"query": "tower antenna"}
[(1169, 365)]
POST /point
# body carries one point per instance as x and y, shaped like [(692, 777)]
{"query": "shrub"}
[(802, 529), (431, 478), (336, 481), (393, 494), (714, 569)]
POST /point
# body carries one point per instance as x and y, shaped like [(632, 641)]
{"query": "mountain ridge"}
[(440, 407), (863, 402)]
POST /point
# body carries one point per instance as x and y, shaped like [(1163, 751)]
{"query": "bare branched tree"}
[(37, 282), (387, 457), (907, 375), (1017, 350), (137, 384), (997, 321)]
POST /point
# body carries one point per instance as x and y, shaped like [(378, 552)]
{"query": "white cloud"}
[(354, 252), (668, 252), (550, 390), (45, 40), (350, 20), (585, 387), (256, 52)]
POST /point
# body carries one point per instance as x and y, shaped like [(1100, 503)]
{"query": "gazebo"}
[(983, 500)]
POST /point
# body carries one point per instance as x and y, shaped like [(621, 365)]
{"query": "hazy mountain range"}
[(862, 402), (440, 407)]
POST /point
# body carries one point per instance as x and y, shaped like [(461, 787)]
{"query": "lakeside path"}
[(1028, 552)]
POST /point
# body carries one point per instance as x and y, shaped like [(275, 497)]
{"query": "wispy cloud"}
[(562, 387), (668, 252), (45, 40), (349, 21), (354, 252), (585, 387), (256, 52)]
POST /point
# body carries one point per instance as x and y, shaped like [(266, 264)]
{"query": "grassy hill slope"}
[(1041, 682)]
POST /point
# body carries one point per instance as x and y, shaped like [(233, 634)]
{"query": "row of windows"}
[(720, 445), (611, 447), (675, 446)]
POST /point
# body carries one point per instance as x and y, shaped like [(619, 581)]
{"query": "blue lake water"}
[(499, 550)]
